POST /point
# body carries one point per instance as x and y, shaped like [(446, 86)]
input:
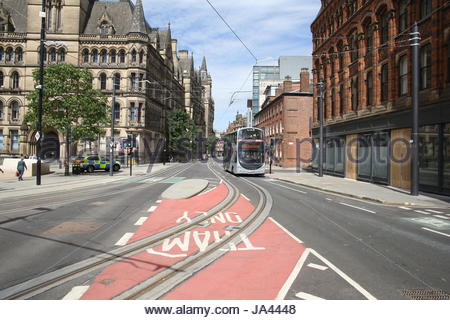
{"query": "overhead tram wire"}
[(231, 29)]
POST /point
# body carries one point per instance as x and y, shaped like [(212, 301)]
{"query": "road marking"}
[(123, 241), (433, 211), (287, 187), (294, 274), (448, 214), (349, 205), (141, 221), (245, 197), (329, 199), (442, 217), (285, 230), (441, 233), (316, 266), (422, 212), (158, 201), (307, 296), (164, 254), (352, 282), (76, 293), (152, 208), (405, 208)]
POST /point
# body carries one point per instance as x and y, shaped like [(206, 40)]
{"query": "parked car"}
[(95, 162)]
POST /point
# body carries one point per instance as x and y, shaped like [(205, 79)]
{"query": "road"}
[(311, 245)]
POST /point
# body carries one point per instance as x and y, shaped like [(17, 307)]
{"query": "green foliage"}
[(181, 126), (69, 102)]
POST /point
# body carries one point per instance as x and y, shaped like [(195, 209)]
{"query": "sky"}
[(268, 28)]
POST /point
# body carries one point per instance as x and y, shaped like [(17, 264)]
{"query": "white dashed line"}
[(434, 231), (422, 212), (141, 221), (123, 241), (246, 198), (76, 293), (158, 201), (355, 207), (316, 266), (307, 296), (405, 208), (329, 199), (433, 211), (152, 208), (442, 217), (288, 188)]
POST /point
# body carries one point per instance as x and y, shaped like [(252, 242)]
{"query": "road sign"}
[(37, 136)]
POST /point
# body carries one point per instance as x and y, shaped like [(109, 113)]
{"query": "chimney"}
[(304, 80), (174, 45), (287, 84), (183, 53), (278, 91)]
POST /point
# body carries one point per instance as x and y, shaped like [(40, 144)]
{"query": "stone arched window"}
[(15, 110), (85, 56), (2, 110), (2, 53), (19, 55), (383, 17), (117, 111), (103, 56), (52, 55), (117, 81), (9, 54), (15, 78), (62, 55), (2, 79), (105, 28), (141, 56), (368, 35), (354, 47), (94, 55), (102, 81), (122, 56), (133, 56), (403, 15), (53, 15), (112, 56)]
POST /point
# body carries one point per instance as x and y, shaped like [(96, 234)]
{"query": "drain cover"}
[(425, 294)]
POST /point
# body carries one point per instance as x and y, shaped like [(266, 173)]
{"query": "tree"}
[(182, 133), (69, 104)]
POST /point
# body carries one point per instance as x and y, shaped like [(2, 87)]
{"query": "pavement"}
[(358, 189), (185, 189), (57, 181)]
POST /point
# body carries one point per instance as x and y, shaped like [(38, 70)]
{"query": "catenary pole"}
[(41, 93), (320, 102), (415, 111), (111, 155)]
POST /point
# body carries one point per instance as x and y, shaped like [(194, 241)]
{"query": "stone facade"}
[(239, 122), (363, 55), (115, 42)]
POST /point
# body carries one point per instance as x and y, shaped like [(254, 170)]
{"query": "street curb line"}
[(357, 197)]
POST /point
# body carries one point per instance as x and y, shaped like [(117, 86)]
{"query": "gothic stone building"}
[(110, 38), (363, 55)]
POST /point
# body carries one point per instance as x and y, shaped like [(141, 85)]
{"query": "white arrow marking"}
[(164, 254), (76, 293), (307, 296)]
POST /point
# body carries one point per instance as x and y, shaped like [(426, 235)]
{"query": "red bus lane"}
[(255, 273), (128, 273), (173, 212)]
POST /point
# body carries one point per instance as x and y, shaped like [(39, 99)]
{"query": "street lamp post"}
[(111, 155), (41, 93), (320, 106)]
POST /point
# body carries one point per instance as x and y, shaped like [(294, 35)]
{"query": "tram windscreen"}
[(251, 154)]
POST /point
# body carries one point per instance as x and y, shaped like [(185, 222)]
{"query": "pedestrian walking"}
[(21, 167)]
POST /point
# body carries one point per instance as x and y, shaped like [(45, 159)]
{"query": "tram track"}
[(158, 284), (72, 196)]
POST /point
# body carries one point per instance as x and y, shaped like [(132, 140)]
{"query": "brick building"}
[(239, 122), (285, 116), (362, 54)]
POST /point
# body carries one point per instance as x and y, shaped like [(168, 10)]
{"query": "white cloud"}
[(268, 28)]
